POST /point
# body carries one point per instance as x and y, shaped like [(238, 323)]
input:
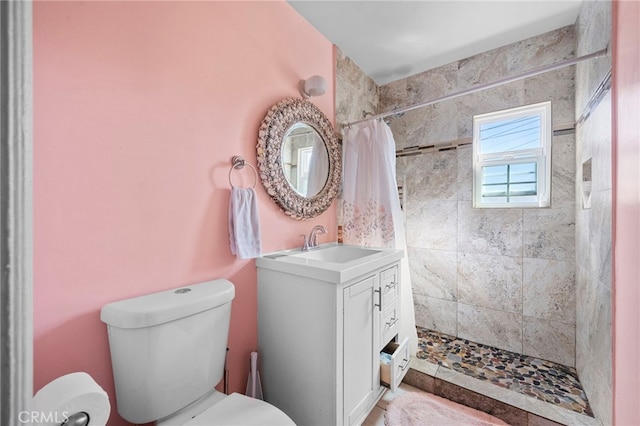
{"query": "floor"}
[(518, 389), (376, 417), (544, 380)]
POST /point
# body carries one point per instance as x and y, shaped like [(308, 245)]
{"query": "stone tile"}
[(465, 173), (583, 156), (429, 125), (410, 129), (491, 327), (402, 165), (559, 414), (583, 146), (549, 340), (432, 84), (586, 303), (547, 48), (549, 289), (432, 224), (482, 387), (582, 356), (489, 66), (596, 386), (489, 231), (506, 96), (393, 95), (414, 125), (600, 241), (602, 398), (598, 128), (490, 281), (555, 86), (435, 314), (583, 246), (584, 298), (433, 272), (533, 420), (424, 366), (440, 125), (593, 28), (549, 233), (419, 380), (356, 93), (600, 339), (563, 169), (432, 176)]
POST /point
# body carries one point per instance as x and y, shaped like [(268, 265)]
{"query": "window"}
[(304, 165), (512, 157)]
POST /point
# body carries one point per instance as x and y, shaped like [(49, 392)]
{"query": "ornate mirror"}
[(299, 158)]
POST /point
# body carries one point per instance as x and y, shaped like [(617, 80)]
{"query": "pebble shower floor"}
[(545, 380)]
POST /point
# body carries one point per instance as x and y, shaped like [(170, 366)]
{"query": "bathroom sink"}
[(331, 262), (337, 253)]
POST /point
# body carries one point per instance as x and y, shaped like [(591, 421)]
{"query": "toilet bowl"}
[(167, 355), (235, 410), (218, 409)]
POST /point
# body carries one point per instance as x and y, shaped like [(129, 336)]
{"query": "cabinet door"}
[(361, 334)]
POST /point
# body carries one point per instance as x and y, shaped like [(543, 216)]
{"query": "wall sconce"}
[(313, 86)]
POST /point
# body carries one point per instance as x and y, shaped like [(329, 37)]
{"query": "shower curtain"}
[(370, 211)]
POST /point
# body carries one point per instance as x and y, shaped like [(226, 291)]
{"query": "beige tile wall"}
[(504, 277), (593, 226)]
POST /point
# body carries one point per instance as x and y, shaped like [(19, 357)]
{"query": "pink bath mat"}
[(425, 409)]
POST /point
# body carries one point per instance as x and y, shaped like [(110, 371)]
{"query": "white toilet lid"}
[(240, 410)]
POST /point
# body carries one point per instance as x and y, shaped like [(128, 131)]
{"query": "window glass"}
[(512, 157), (510, 135)]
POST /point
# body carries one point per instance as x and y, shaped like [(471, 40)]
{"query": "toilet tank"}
[(168, 348)]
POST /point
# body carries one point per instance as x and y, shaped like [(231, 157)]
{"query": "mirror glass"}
[(305, 160)]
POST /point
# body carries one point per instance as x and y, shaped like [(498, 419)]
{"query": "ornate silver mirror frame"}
[(271, 136)]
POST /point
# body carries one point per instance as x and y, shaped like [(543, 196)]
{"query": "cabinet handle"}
[(405, 365), (379, 304), (391, 285), (391, 323)]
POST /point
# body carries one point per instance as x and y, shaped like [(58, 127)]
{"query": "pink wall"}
[(626, 239), (138, 109)]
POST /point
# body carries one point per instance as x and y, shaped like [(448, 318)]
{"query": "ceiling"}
[(394, 39)]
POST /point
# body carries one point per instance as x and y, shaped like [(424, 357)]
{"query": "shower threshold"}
[(519, 389)]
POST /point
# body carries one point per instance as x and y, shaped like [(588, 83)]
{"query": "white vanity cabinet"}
[(321, 328)]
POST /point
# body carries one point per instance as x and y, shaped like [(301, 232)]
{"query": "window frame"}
[(541, 155)]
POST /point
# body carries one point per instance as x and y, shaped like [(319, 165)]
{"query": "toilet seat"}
[(240, 410)]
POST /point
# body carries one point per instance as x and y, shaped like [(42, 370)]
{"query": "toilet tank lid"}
[(169, 305)]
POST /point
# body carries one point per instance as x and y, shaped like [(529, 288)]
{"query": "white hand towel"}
[(244, 224)]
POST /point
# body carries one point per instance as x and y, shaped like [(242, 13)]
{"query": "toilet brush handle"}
[(254, 372)]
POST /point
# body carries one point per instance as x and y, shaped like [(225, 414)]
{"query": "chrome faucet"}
[(312, 241)]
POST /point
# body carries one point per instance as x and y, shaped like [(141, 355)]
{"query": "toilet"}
[(168, 352)]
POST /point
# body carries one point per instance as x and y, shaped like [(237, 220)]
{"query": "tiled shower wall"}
[(356, 93), (503, 277), (593, 225)]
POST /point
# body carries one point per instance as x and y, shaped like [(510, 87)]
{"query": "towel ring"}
[(238, 163)]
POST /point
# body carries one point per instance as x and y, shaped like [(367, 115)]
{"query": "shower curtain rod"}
[(530, 73)]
